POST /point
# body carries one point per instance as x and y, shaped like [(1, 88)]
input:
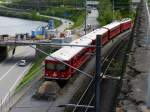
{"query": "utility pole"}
[(113, 2), (76, 4), (85, 15), (38, 5), (98, 72)]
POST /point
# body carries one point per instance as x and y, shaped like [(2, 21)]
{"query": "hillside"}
[(121, 10)]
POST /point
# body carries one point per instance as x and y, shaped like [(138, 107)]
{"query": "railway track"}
[(88, 96)]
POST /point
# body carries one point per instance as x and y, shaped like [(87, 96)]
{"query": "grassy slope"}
[(34, 71)]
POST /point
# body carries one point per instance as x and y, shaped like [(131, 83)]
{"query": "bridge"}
[(92, 3), (6, 40)]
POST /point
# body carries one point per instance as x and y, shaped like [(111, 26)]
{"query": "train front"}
[(56, 70), (55, 67)]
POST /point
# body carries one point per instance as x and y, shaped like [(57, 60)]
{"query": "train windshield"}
[(54, 66)]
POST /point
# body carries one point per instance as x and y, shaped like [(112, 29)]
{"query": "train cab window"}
[(57, 67), (50, 66), (61, 67)]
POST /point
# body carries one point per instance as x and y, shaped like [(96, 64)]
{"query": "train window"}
[(61, 67), (50, 66), (58, 67)]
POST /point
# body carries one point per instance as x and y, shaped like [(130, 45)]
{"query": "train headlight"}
[(54, 74)]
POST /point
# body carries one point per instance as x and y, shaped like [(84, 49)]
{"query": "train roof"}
[(66, 53), (92, 35), (125, 20), (112, 25)]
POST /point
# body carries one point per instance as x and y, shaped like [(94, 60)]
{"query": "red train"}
[(76, 56)]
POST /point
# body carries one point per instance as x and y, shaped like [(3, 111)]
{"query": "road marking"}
[(14, 85), (8, 71)]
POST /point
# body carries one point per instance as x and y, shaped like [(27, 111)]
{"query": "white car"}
[(22, 63)]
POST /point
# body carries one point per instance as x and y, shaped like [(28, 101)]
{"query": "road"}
[(92, 18), (11, 73)]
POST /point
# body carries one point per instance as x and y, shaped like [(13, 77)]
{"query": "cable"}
[(83, 95), (90, 103), (111, 60), (102, 75)]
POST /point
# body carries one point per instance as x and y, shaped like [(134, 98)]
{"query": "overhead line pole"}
[(98, 72), (113, 8), (85, 16)]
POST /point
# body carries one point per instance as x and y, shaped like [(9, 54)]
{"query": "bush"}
[(106, 13)]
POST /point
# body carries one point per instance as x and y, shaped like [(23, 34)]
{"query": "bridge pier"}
[(3, 52)]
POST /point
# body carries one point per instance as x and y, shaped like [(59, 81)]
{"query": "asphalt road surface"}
[(11, 73), (92, 18)]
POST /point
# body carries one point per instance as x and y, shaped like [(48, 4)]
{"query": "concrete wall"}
[(3, 52)]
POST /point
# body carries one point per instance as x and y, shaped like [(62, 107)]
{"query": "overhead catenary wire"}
[(90, 102), (104, 73), (12, 42), (55, 44), (90, 83), (102, 76), (105, 59), (83, 95)]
